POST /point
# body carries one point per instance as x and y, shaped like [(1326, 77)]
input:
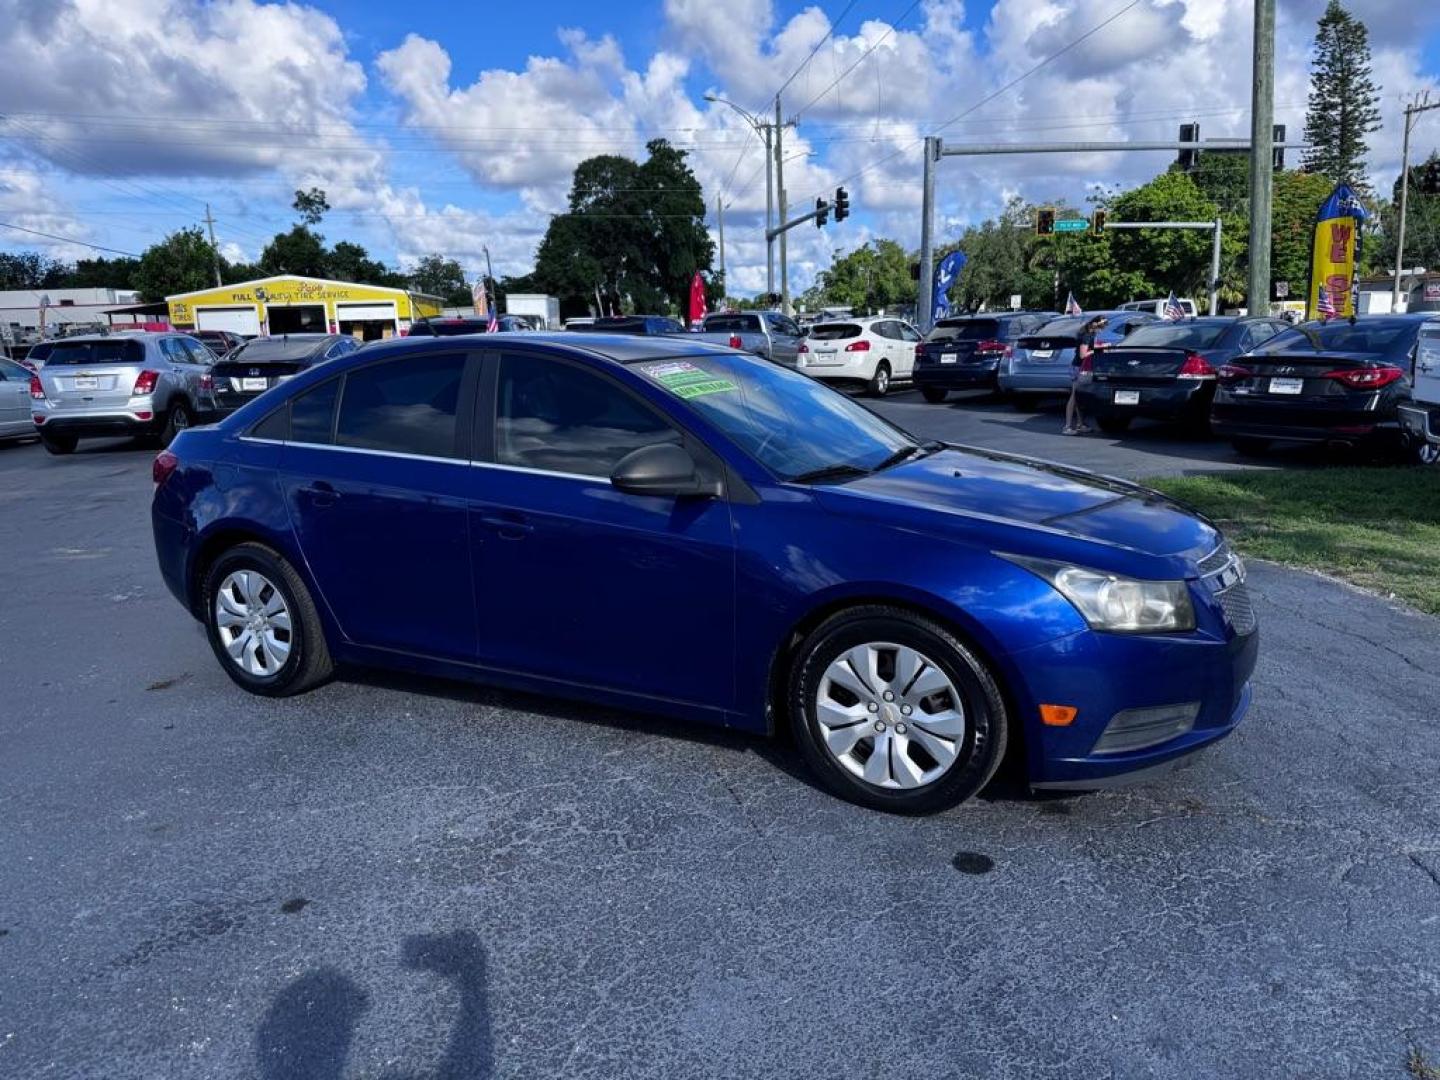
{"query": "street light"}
[(762, 129)]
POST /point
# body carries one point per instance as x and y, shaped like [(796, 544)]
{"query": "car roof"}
[(618, 349)]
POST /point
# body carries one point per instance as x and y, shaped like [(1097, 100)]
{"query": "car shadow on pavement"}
[(307, 1031), (778, 752)]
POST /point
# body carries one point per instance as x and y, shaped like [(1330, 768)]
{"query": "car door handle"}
[(510, 526), (320, 493)]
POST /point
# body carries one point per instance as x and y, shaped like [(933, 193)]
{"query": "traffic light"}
[(1188, 159), (1098, 221), (842, 204), (1045, 222), (1277, 158), (822, 211)]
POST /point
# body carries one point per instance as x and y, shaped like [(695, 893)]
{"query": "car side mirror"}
[(663, 469)]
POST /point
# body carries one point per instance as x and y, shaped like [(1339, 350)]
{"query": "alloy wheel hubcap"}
[(254, 623), (890, 716)]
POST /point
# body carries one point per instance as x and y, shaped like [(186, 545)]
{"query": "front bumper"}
[(1165, 401), (1096, 673)]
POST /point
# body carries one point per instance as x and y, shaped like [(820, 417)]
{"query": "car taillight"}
[(145, 383), (735, 342), (165, 464), (858, 346), (920, 351), (1366, 378), (207, 382), (1196, 367), (1234, 373), (37, 388), (802, 347)]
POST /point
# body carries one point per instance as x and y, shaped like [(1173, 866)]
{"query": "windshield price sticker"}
[(686, 380)]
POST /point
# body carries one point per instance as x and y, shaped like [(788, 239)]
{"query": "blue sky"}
[(439, 128)]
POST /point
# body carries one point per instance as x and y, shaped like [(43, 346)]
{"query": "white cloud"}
[(26, 202)]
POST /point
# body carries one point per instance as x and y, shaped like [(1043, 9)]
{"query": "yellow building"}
[(289, 304)]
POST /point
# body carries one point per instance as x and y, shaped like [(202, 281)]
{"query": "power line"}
[(894, 25), (828, 35), (69, 240)]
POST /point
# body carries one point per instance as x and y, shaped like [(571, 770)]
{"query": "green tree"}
[(1344, 100), (311, 205), (1152, 262), (869, 278), (102, 273), (299, 251), (25, 270), (633, 235), (439, 276), (348, 261), (183, 262), (1001, 260), (1297, 199), (1422, 225)]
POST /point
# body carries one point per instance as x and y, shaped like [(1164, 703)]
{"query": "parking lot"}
[(400, 877)]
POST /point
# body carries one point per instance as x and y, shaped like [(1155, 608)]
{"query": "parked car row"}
[(1254, 380)]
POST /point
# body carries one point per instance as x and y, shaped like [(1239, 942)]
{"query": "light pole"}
[(762, 129), (1411, 111)]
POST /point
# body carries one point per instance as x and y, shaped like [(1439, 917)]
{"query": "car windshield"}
[(1068, 326), (1177, 335), (965, 330), (793, 425), (1375, 336), (834, 331), (273, 350), (95, 352)]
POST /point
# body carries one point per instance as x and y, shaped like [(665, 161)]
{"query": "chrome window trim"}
[(426, 457)]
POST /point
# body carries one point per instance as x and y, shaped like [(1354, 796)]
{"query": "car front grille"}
[(1239, 611), (1216, 561)]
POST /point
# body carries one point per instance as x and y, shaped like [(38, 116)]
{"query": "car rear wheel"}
[(880, 381), (59, 444), (262, 623), (893, 712), (1115, 425), (933, 394), (176, 421), (1250, 446)]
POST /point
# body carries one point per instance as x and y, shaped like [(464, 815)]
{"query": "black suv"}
[(964, 352)]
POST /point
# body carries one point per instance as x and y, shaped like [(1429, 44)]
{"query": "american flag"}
[(1325, 304), (1072, 306), (1173, 308), (494, 323)]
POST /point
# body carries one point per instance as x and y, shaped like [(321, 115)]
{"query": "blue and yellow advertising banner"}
[(1337, 250)]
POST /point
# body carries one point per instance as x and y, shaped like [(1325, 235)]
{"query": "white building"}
[(20, 309)]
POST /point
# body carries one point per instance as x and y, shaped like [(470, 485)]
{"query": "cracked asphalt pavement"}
[(397, 877)]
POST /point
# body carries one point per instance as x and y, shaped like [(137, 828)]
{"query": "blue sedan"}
[(664, 525), (1039, 365)]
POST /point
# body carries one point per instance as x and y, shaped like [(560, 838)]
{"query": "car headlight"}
[(1114, 603)]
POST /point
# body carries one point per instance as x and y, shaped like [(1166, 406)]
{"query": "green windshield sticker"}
[(686, 380)]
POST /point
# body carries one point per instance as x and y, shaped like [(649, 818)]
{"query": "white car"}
[(876, 351)]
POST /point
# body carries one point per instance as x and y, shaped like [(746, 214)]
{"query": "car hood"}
[(968, 486)]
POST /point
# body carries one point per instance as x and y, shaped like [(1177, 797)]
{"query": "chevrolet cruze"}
[(670, 526)]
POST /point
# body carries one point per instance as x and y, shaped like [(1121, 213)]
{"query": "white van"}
[(1157, 307), (1420, 417)]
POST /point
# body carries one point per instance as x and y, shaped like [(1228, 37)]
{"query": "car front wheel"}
[(262, 623), (933, 394), (893, 712)]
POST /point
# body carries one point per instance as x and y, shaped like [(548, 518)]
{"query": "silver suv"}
[(120, 384)]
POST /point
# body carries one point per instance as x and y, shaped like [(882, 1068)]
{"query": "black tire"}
[(1115, 425), (1249, 445), (934, 394), (1418, 452), (982, 745), (879, 384), (59, 444), (176, 420), (309, 663)]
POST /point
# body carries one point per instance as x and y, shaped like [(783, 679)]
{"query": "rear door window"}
[(408, 406), (312, 414), (731, 324)]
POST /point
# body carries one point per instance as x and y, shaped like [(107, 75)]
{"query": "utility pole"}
[(720, 217), (210, 221), (780, 195), (1262, 165), (1215, 270), (1411, 111), (926, 284), (491, 301)]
